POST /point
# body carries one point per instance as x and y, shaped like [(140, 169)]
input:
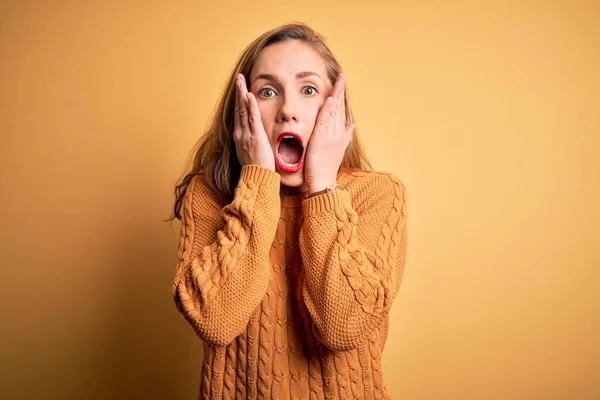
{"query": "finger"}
[(327, 112), (243, 111), (338, 88), (254, 115), (338, 94), (347, 109), (237, 128), (342, 110)]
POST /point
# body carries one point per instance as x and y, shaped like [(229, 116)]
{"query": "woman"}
[(292, 249)]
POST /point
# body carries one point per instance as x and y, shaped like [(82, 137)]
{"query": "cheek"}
[(313, 112), (267, 116)]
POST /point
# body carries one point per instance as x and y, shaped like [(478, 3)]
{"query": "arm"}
[(353, 261), (224, 268)]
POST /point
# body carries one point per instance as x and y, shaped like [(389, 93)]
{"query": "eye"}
[(310, 90), (263, 92)]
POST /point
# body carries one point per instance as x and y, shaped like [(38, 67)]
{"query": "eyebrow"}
[(299, 75)]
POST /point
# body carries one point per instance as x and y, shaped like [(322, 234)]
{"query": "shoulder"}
[(199, 197), (374, 191)]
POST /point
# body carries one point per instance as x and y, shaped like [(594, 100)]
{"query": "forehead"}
[(288, 58)]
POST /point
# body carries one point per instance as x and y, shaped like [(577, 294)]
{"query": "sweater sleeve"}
[(224, 269), (353, 262)]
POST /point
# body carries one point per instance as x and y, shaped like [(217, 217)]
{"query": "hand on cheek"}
[(328, 141), (251, 141)]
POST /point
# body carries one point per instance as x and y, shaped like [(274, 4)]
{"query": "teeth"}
[(288, 137)]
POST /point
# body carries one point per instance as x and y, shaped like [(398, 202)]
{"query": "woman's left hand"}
[(329, 141)]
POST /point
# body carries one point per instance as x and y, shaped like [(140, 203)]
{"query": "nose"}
[(287, 111)]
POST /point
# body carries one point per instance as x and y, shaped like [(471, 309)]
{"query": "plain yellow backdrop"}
[(487, 111)]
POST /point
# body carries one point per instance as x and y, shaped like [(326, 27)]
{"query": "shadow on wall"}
[(148, 350)]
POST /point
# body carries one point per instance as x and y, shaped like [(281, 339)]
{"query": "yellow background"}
[(488, 112)]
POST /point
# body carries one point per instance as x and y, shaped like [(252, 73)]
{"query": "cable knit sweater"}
[(291, 294)]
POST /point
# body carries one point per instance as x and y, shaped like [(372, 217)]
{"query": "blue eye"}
[(314, 89), (263, 91)]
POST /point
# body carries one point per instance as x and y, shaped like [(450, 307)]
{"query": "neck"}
[(291, 190)]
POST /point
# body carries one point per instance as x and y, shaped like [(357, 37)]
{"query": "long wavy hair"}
[(216, 157)]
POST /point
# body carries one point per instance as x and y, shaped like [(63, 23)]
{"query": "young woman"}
[(292, 249)]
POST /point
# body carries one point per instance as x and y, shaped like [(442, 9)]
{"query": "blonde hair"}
[(216, 158)]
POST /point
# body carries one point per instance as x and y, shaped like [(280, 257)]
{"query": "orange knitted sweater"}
[(290, 294)]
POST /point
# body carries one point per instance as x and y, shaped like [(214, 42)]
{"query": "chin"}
[(295, 180)]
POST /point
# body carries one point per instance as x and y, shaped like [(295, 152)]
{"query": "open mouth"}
[(290, 152)]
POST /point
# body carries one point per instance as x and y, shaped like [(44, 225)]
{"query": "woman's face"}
[(290, 83)]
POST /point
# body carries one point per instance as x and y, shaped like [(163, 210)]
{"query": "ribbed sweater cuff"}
[(339, 199), (261, 176)]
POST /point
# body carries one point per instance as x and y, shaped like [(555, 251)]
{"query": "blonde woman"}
[(292, 248)]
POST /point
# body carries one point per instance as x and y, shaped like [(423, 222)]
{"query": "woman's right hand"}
[(251, 141)]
